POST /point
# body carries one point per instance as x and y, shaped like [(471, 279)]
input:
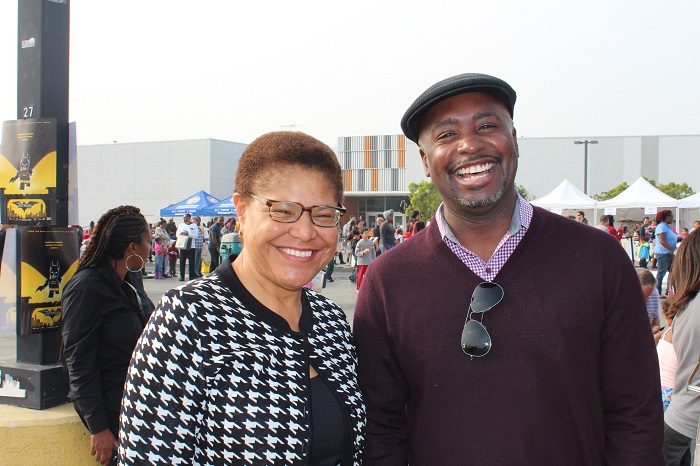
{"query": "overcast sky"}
[(149, 70)]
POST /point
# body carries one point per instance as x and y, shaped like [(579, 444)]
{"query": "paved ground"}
[(341, 291)]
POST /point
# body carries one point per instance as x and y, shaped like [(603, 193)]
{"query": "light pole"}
[(585, 143)]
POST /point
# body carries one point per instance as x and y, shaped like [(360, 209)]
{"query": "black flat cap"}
[(467, 82)]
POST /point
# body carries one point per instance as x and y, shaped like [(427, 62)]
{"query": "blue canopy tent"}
[(189, 205), (223, 207)]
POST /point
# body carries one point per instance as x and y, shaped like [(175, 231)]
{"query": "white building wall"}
[(606, 163), (546, 162), (224, 160), (680, 160), (153, 175), (632, 161)]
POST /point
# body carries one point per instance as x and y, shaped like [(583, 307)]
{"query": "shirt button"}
[(488, 270)]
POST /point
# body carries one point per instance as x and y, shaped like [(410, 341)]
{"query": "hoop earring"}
[(143, 263)]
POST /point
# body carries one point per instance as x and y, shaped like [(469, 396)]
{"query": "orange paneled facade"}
[(375, 174), (368, 151), (374, 164)]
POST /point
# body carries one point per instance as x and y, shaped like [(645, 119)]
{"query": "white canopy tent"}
[(567, 199), (689, 210), (639, 200), (690, 202)]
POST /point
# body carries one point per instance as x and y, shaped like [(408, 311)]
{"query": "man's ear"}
[(515, 142), (424, 161)]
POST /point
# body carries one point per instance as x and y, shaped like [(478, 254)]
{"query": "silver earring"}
[(143, 263)]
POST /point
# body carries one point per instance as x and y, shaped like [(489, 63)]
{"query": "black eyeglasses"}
[(289, 212), (476, 341)]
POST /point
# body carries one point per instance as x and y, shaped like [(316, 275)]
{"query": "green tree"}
[(523, 192), (673, 189), (676, 191), (604, 196), (424, 198)]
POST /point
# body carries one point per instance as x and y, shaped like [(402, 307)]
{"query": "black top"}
[(329, 425), (102, 320)]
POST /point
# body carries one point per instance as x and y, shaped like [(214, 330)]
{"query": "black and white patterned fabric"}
[(211, 383)]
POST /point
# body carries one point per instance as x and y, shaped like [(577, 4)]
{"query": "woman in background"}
[(681, 417), (105, 308), (420, 225), (664, 245)]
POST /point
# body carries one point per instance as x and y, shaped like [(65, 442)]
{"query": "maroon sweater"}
[(572, 377)]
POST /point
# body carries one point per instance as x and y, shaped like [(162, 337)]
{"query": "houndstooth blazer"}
[(213, 380)]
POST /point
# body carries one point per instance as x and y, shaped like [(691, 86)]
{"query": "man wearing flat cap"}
[(509, 345)]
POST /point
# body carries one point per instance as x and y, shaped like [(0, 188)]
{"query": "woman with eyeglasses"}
[(682, 416), (105, 308), (246, 365)]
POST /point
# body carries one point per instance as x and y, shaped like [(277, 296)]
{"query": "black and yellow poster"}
[(28, 171), (47, 261)]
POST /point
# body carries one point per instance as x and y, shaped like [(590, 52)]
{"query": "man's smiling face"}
[(468, 148)]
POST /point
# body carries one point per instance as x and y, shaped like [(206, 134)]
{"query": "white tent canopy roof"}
[(690, 202), (565, 196), (640, 194)]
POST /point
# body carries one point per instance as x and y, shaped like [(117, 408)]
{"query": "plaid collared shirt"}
[(198, 238), (522, 215)]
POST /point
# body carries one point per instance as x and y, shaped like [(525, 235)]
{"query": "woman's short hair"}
[(272, 152), (115, 230), (662, 215)]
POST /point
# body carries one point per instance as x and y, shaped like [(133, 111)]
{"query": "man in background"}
[(387, 232), (198, 244), (215, 240), (581, 217), (188, 229)]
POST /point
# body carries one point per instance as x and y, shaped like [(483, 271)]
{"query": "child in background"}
[(161, 252), (643, 252), (365, 252), (172, 257)]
